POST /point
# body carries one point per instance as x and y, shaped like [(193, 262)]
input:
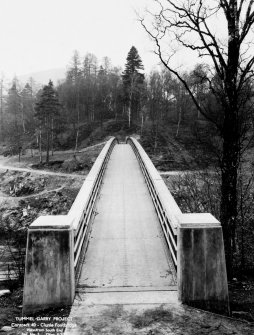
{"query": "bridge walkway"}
[(126, 251)]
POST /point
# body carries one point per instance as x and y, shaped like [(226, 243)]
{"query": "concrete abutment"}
[(49, 267), (201, 269)]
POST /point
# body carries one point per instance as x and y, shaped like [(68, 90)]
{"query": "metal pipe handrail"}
[(164, 203), (83, 207)]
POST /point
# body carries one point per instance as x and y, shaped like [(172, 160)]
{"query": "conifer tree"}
[(14, 107), (133, 84), (2, 128), (47, 109), (27, 108)]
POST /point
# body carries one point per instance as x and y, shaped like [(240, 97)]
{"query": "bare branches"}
[(190, 24), (224, 4), (185, 21), (240, 8), (246, 73), (177, 74), (248, 21)]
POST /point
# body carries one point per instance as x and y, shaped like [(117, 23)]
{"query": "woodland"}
[(97, 100)]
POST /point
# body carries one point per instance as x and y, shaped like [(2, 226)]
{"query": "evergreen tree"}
[(74, 70), (133, 84), (47, 109), (27, 108), (2, 103), (14, 120), (14, 108)]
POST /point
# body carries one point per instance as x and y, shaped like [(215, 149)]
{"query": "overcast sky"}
[(38, 35)]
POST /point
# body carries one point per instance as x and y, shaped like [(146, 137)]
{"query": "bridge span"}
[(125, 233), (127, 248)]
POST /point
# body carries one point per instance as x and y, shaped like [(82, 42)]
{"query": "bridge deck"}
[(126, 249)]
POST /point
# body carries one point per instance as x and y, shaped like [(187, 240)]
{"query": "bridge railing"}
[(55, 245), (83, 206), (195, 242), (165, 205)]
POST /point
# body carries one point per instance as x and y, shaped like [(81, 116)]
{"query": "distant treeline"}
[(96, 91)]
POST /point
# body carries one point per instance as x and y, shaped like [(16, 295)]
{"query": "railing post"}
[(49, 269), (201, 266)]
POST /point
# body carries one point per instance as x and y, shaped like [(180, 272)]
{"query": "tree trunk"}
[(93, 109), (40, 151), (229, 172), (130, 111), (52, 136), (78, 121), (242, 218), (129, 116), (179, 121), (142, 124), (48, 140), (230, 135), (23, 119), (101, 112), (1, 111), (156, 137), (115, 109), (76, 143)]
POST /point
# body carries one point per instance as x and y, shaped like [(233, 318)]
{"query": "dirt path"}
[(179, 149), (56, 153), (12, 164), (91, 147), (174, 173), (98, 314), (41, 172), (2, 197)]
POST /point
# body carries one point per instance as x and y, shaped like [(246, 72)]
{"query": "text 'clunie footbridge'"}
[(125, 232)]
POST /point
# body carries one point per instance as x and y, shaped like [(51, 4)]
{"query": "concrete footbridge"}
[(125, 233)]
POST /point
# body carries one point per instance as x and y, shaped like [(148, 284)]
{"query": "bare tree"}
[(74, 77), (1, 107), (192, 25)]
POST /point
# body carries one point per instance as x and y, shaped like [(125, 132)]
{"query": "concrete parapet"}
[(201, 266), (49, 269)]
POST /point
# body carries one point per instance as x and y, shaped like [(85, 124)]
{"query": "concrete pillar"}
[(201, 266), (49, 267)]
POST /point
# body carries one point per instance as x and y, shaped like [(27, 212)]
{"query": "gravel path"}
[(33, 195), (144, 318), (41, 172)]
